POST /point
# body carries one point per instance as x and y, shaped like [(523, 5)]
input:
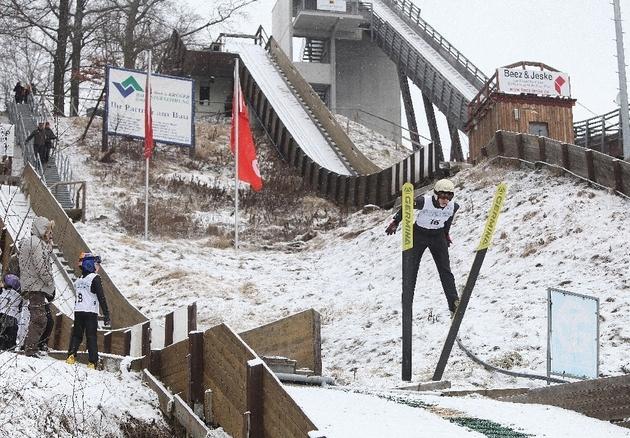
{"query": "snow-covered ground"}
[(342, 413), (45, 398), (555, 231)]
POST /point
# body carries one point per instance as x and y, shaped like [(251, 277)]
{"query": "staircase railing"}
[(77, 192), (598, 130), (28, 153)]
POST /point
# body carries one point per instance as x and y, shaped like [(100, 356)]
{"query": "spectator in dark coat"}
[(50, 136), (19, 92), (39, 142), (26, 94)]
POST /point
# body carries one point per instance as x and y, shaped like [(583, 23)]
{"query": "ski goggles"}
[(445, 195)]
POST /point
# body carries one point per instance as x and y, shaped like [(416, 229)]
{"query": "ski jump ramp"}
[(424, 49), (288, 107)]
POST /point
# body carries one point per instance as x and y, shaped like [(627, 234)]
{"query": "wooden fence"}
[(216, 371), (602, 133), (225, 378), (66, 236), (586, 163), (297, 337)]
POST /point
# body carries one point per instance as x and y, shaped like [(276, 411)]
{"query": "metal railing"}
[(596, 129), (21, 133), (77, 192), (411, 14), (40, 112)]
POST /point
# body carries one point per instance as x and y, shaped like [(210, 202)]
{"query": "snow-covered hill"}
[(555, 231)]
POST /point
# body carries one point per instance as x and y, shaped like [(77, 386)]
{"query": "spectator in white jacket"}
[(36, 275)]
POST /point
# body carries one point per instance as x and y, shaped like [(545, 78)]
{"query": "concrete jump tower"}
[(352, 75)]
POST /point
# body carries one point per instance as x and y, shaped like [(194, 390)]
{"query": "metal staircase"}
[(57, 174), (315, 50), (313, 117)]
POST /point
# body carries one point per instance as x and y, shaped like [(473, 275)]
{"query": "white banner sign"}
[(331, 5), (171, 103), (573, 334), (544, 83), (7, 139)]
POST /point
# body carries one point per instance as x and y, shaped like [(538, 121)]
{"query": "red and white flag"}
[(148, 119), (242, 139)]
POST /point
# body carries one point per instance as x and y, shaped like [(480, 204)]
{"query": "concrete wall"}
[(314, 72), (281, 27), (368, 80)]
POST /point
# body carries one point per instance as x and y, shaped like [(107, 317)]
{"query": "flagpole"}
[(237, 102), (146, 179)]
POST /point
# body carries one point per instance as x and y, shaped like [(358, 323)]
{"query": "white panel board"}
[(543, 83), (573, 334), (331, 5)]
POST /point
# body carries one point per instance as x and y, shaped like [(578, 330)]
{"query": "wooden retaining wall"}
[(216, 371), (607, 399), (586, 163), (297, 337), (66, 236)]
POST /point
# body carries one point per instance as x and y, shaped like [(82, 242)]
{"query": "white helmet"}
[(444, 185)]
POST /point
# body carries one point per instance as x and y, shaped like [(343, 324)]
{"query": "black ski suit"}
[(437, 240)]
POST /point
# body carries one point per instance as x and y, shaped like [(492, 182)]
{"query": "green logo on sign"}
[(128, 86)]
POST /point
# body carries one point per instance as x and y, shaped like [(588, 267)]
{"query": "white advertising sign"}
[(331, 5), (7, 139), (573, 334), (171, 103), (545, 83)]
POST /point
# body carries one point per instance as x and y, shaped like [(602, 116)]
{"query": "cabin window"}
[(204, 94), (539, 128)]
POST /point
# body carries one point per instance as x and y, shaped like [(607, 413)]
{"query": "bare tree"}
[(44, 24), (59, 59), (84, 35)]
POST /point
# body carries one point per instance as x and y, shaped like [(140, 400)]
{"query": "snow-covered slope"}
[(555, 231)]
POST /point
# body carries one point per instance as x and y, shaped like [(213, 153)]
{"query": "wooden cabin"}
[(211, 68), (522, 97)]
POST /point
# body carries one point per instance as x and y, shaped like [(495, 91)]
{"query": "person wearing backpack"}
[(89, 295)]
